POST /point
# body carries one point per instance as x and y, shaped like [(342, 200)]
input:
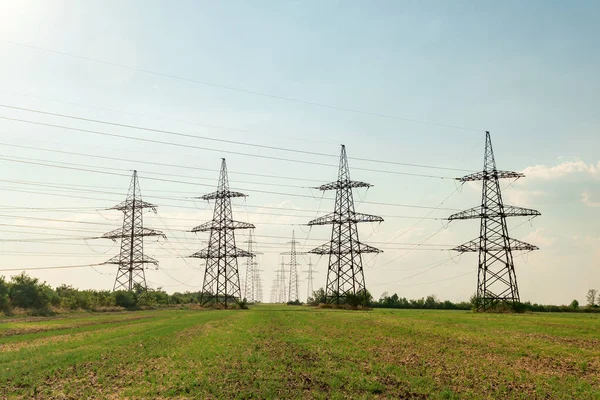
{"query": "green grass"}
[(298, 352)]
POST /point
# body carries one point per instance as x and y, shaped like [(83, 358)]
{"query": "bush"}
[(125, 299), (28, 293), (574, 305), (5, 305), (362, 298)]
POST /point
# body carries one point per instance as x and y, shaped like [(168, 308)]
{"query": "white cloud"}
[(540, 237), (586, 198), (522, 197), (563, 169)]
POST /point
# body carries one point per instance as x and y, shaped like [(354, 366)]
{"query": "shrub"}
[(125, 299), (27, 292)]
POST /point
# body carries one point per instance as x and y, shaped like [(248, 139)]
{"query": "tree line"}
[(26, 294), (432, 302), (23, 293)]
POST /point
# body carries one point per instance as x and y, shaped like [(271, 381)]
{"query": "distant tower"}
[(281, 284), (131, 259), (250, 291), (293, 284), (274, 287), (221, 278), (258, 286), (496, 279), (345, 274), (309, 280)]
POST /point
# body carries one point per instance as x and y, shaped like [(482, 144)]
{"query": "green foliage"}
[(362, 298), (294, 303), (574, 305), (28, 293), (5, 304), (37, 298), (125, 299), (430, 302), (318, 297)]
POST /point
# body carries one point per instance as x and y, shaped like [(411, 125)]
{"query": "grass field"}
[(298, 352)]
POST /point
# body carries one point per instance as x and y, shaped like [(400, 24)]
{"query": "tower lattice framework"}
[(345, 274), (496, 278), (310, 280), (131, 259), (221, 278), (259, 287), (253, 284), (281, 284), (293, 288)]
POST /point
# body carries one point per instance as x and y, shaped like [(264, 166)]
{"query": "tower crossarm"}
[(494, 174), (332, 248), (507, 211), (343, 184), (513, 244), (120, 233), (353, 217), (233, 252), (218, 225), (222, 194), (129, 204), (119, 261)]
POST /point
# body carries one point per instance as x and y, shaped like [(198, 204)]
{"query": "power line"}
[(441, 280), (180, 145), (220, 127), (4, 208), (199, 184), (87, 155), (289, 99), (278, 148), (54, 267), (167, 229)]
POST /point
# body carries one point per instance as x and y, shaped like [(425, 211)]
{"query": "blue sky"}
[(526, 71)]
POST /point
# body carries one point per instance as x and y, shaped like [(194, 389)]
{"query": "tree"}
[(125, 299), (319, 296), (431, 301), (4, 299), (591, 297), (28, 293), (574, 305)]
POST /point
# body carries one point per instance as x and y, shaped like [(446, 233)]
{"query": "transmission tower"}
[(496, 279), (251, 288), (131, 259), (281, 284), (258, 287), (345, 272), (293, 264), (274, 287), (221, 278), (310, 280)]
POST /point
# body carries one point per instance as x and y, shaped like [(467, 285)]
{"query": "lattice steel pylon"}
[(345, 274), (131, 258), (293, 292), (310, 280), (221, 278), (281, 284), (252, 282), (496, 278), (274, 289), (258, 287)]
